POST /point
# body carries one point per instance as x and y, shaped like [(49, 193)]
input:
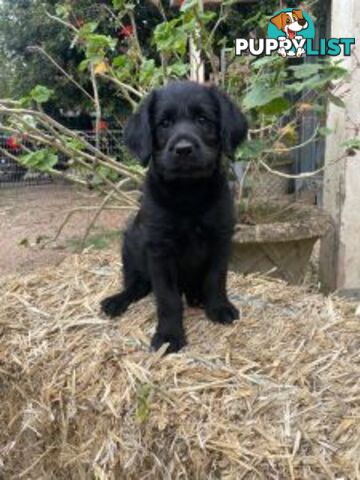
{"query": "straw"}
[(274, 396)]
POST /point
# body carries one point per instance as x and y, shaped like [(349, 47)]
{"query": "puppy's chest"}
[(190, 236)]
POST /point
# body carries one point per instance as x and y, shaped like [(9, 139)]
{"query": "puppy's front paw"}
[(176, 342), (224, 313), (114, 305)]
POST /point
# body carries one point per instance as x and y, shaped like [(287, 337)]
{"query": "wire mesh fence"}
[(13, 173)]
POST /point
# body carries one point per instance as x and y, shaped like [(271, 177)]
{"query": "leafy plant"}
[(42, 160), (116, 59), (276, 95)]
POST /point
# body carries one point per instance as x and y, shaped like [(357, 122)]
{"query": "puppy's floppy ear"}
[(233, 123), (278, 20), (298, 13), (138, 134)]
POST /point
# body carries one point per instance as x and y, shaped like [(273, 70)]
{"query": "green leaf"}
[(276, 106), (266, 61), (189, 4), (118, 4), (124, 68), (250, 149), (25, 101), (325, 131), (207, 16), (334, 69), (171, 37), (336, 100), (178, 69), (316, 82), (120, 61), (42, 160), (41, 94), (62, 11), (261, 95), (84, 65), (306, 70), (147, 70), (75, 144), (352, 144), (96, 46), (87, 28), (106, 172)]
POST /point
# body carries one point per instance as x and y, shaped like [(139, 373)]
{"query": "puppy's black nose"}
[(302, 21), (183, 148)]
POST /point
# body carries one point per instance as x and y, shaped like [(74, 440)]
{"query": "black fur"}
[(179, 242)]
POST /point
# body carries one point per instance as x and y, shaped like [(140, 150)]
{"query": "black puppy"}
[(179, 242)]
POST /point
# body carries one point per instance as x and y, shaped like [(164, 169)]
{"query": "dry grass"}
[(276, 396)]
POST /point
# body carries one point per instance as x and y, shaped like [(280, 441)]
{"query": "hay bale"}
[(276, 395)]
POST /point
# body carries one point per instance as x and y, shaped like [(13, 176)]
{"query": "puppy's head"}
[(185, 128), (290, 22)]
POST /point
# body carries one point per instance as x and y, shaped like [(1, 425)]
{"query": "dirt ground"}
[(29, 215)]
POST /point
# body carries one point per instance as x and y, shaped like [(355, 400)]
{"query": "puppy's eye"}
[(288, 20), (165, 123), (201, 119)]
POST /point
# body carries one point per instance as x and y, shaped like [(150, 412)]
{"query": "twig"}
[(51, 171), (134, 28), (111, 13), (161, 9), (97, 105), (286, 175), (64, 72), (40, 136), (123, 85), (46, 121), (63, 22), (295, 147), (124, 92), (81, 209), (98, 212), (242, 181), (39, 458), (164, 66), (6, 101), (261, 129)]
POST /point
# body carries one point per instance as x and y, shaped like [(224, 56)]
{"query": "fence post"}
[(340, 250)]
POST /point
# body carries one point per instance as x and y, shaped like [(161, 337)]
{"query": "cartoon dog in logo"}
[(291, 23)]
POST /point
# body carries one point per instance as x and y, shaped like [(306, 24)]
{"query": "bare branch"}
[(100, 209), (48, 121), (286, 175), (97, 105), (62, 22), (81, 209), (294, 147), (64, 72), (129, 88)]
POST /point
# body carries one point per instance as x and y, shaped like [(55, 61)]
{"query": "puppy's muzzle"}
[(302, 22), (186, 156), (183, 148)]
